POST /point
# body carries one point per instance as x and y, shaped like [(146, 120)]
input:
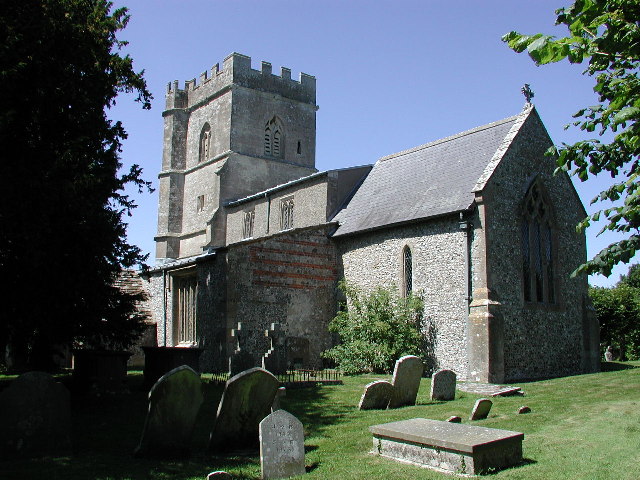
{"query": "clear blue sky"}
[(390, 74)]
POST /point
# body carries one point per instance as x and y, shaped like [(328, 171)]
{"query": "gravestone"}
[(174, 402), (608, 354), (454, 419), (35, 417), (524, 409), (481, 409), (443, 385), (297, 352), (376, 395), (282, 392), (406, 381), (246, 400), (281, 446)]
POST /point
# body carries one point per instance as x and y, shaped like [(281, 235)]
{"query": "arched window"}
[(205, 140), (273, 138), (407, 271), (538, 248)]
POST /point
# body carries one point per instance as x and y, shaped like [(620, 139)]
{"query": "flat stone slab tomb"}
[(451, 447)]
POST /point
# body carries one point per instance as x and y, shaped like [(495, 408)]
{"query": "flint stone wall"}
[(539, 340), (438, 249)]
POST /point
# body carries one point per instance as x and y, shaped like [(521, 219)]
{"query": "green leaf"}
[(626, 114)]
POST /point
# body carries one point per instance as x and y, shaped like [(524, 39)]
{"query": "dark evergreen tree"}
[(62, 200)]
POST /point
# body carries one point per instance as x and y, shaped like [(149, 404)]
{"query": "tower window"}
[(205, 141), (200, 203), (247, 226), (537, 248), (299, 150), (286, 214), (407, 271), (274, 138)]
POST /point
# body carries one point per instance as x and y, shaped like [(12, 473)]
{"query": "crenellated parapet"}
[(236, 70)]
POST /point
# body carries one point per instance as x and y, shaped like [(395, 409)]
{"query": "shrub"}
[(375, 330)]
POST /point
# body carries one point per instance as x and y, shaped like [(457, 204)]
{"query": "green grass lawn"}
[(582, 427)]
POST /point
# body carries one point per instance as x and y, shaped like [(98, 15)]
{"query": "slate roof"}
[(427, 181)]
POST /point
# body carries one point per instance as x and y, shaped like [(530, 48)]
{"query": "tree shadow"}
[(616, 366)]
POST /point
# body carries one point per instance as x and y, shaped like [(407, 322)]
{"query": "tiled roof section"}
[(426, 181), (129, 282)]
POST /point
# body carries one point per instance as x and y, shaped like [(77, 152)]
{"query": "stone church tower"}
[(236, 132)]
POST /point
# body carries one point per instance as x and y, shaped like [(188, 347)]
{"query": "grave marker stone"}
[(376, 395), (281, 446), (240, 360), (481, 409), (174, 402), (443, 385), (246, 400), (275, 360), (35, 417), (406, 381)]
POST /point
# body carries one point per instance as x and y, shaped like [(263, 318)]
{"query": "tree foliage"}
[(604, 34), (618, 311), (375, 330), (63, 206)]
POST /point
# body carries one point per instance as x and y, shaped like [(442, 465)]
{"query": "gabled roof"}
[(434, 179)]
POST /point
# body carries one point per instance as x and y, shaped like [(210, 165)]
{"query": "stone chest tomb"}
[(452, 447)]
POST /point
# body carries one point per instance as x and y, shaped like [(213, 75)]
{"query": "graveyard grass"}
[(581, 427)]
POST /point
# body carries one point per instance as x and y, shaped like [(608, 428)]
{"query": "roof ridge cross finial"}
[(527, 92)]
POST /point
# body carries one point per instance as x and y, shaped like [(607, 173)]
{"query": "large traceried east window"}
[(185, 295), (273, 138), (286, 213), (407, 271), (205, 142), (538, 248)]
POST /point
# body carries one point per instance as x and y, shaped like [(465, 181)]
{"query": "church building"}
[(252, 240)]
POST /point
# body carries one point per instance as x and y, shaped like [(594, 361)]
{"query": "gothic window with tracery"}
[(538, 248), (205, 141), (273, 138), (286, 214), (407, 271)]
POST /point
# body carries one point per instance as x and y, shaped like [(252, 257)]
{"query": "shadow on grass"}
[(106, 429), (615, 366)]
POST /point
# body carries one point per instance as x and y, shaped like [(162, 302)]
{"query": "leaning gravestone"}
[(246, 400), (35, 417), (174, 402), (443, 385), (406, 381), (481, 409), (281, 446), (219, 475), (376, 395)]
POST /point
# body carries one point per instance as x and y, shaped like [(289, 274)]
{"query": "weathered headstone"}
[(246, 400), (481, 409), (524, 409), (35, 417), (281, 446), (454, 419), (282, 392), (174, 402), (219, 475), (608, 354), (376, 395), (406, 381), (443, 385)]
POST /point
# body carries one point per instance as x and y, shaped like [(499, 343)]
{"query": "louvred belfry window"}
[(205, 141), (273, 138)]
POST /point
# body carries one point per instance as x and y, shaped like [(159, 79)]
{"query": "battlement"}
[(236, 70)]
